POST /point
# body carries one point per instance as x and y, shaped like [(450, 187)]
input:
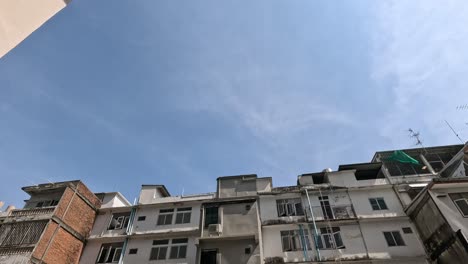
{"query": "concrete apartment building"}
[(382, 211), (51, 227)]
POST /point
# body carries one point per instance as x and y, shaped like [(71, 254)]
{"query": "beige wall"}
[(19, 18)]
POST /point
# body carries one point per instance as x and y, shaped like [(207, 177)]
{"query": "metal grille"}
[(22, 233)]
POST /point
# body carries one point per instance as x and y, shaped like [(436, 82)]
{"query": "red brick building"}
[(52, 226)]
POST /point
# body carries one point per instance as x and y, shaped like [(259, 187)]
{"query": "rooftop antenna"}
[(183, 189), (453, 130), (416, 136)]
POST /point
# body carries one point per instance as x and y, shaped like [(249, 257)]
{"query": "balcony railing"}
[(330, 212), (33, 211)]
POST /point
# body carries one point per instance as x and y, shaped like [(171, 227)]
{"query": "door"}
[(209, 256), (326, 208)]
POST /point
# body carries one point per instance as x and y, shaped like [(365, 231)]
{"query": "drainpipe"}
[(304, 243), (127, 233), (315, 226)]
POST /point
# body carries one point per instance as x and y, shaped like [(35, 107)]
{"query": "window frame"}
[(159, 244), (290, 207), (112, 251), (167, 213), (185, 213), (211, 218), (377, 202), (294, 240), (177, 245), (392, 234), (122, 219), (459, 208), (326, 235)]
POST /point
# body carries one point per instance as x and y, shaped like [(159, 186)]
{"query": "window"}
[(165, 216), (330, 238), (378, 204), (292, 240), (407, 230), (133, 251), (110, 253), (461, 201), (159, 252), (119, 221), (394, 238), (289, 207), (141, 218), (183, 215), (178, 248), (211, 216), (47, 203)]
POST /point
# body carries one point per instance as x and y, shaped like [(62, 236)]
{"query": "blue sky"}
[(181, 92)]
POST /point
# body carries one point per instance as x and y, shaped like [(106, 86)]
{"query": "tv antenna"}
[(453, 130)]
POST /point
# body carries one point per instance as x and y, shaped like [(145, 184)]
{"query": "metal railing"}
[(331, 212), (33, 211)]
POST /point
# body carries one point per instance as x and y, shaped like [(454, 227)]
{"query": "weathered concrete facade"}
[(362, 213)]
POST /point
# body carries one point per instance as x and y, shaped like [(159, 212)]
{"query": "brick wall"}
[(59, 246)]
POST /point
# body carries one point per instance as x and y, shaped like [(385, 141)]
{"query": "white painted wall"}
[(348, 179), (268, 209), (93, 247), (448, 208), (144, 246), (152, 213), (350, 234), (113, 200), (102, 223), (363, 208), (377, 245)]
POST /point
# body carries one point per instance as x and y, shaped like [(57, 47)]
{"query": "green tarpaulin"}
[(402, 157)]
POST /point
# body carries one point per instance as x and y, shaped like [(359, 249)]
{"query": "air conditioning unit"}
[(215, 229)]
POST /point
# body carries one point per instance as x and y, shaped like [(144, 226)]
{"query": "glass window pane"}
[(174, 252), (117, 254), (463, 206), (382, 204), (154, 253), (182, 251), (389, 238), (162, 253), (187, 217), (168, 220), (102, 257), (398, 239), (338, 241), (374, 204), (179, 218)]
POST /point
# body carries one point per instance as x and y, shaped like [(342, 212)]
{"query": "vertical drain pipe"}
[(303, 242), (315, 226)]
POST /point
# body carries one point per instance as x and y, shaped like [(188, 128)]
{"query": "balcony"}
[(33, 211), (30, 214), (331, 212)]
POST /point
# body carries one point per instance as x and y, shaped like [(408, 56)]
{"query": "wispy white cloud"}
[(420, 52)]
